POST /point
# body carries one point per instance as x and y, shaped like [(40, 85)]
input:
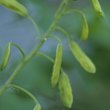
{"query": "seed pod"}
[(82, 58), (57, 66), (65, 90), (97, 7), (6, 57), (85, 29), (15, 6), (37, 107)]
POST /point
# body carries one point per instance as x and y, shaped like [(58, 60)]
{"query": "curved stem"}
[(46, 56), (63, 31), (85, 27), (35, 25), (74, 11), (61, 8), (54, 36), (25, 91), (34, 52), (19, 48)]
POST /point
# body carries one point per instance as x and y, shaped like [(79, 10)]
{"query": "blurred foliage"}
[(91, 92)]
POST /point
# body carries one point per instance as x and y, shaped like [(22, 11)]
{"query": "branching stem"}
[(28, 58)]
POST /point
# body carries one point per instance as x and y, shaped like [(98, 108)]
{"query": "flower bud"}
[(15, 6), (57, 66), (65, 90), (82, 58), (6, 57), (97, 7), (85, 29)]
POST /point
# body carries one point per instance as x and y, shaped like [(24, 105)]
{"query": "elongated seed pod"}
[(97, 7), (57, 66), (65, 90), (37, 107), (82, 58), (85, 29), (6, 57), (15, 6)]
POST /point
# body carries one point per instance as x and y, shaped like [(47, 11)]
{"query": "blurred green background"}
[(91, 92)]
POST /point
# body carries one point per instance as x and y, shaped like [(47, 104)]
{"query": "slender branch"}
[(54, 36), (74, 11), (35, 25), (25, 91), (46, 56), (62, 30), (34, 52), (19, 48)]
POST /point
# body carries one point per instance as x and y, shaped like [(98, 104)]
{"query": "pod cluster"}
[(60, 78)]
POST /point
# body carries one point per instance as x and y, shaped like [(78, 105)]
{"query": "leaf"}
[(57, 66), (15, 6), (65, 90), (82, 58)]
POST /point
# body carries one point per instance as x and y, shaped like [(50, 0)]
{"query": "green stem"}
[(19, 48), (36, 26), (25, 91), (46, 56), (60, 29), (55, 37), (74, 11), (34, 52)]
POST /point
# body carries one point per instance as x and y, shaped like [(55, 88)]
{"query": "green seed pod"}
[(65, 90), (85, 29), (6, 57), (82, 58), (97, 7), (15, 6), (57, 66), (37, 107)]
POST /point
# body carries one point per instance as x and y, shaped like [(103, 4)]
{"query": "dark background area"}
[(91, 92)]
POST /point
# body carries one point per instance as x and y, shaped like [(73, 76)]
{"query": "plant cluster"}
[(59, 78)]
